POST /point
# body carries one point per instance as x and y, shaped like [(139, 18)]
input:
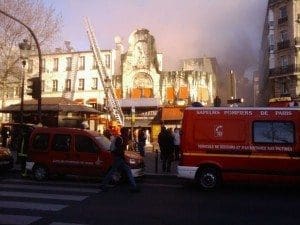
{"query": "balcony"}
[(297, 42), (284, 70), (282, 20), (283, 45)]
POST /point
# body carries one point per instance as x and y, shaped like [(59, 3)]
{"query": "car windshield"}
[(104, 142)]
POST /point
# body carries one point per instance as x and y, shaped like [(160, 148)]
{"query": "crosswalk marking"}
[(17, 219), (42, 195), (50, 182), (49, 188), (58, 223), (31, 206)]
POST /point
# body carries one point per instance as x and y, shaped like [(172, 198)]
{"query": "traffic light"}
[(235, 101), (34, 87)]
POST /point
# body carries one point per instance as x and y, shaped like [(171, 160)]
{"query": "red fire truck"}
[(240, 144)]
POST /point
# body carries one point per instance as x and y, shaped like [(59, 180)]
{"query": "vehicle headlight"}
[(132, 161)]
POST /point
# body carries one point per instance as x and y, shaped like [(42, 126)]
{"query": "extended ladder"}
[(113, 103)]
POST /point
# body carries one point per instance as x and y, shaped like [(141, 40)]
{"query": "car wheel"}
[(208, 178), (40, 173)]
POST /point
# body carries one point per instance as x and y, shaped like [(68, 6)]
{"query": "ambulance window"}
[(273, 132), (61, 142), (40, 142), (85, 144)]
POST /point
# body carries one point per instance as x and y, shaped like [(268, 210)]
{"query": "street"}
[(162, 200)]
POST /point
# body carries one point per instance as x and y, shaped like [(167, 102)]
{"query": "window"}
[(283, 12), (85, 144), (43, 85), (43, 65), (107, 60), (40, 142), (95, 84), (55, 64), (284, 87), (283, 35), (69, 64), (30, 66), (284, 61), (61, 142), (18, 92), (82, 63), (273, 132), (54, 85), (81, 85), (68, 85), (94, 64)]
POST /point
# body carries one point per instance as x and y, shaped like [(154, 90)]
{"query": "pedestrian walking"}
[(176, 136), (165, 141), (4, 135), (118, 147), (142, 141)]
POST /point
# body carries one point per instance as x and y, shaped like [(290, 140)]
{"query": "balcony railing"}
[(284, 70), (283, 45)]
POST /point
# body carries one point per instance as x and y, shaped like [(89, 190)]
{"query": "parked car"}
[(6, 159), (74, 151)]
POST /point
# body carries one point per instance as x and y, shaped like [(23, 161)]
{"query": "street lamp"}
[(107, 83), (24, 53)]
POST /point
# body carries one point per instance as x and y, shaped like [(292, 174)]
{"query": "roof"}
[(51, 104)]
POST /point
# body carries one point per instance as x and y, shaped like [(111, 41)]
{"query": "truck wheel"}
[(40, 173), (208, 178)]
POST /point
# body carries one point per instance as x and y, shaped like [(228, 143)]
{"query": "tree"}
[(44, 22)]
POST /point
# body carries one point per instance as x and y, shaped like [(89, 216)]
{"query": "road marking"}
[(49, 188), (12, 180), (41, 195), (31, 205), (163, 185), (17, 219), (58, 223)]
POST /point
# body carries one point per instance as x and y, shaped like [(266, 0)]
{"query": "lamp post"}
[(24, 53), (106, 87)]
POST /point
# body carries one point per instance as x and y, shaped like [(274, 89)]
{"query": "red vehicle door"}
[(89, 157)]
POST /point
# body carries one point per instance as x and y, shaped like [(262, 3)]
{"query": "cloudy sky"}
[(229, 30)]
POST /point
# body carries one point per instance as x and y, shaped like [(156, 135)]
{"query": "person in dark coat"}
[(166, 145), (142, 141)]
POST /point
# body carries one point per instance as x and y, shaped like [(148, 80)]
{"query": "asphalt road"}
[(162, 201)]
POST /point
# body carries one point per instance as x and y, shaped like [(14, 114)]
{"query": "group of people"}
[(136, 141), (169, 144)]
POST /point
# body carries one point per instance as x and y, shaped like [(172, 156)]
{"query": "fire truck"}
[(240, 144)]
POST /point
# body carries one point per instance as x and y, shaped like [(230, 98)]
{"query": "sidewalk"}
[(150, 164)]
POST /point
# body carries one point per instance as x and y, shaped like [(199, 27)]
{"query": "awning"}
[(172, 113), (79, 101), (91, 101), (51, 104)]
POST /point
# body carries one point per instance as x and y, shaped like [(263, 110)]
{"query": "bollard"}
[(156, 161)]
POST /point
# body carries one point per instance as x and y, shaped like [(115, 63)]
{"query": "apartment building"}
[(280, 56)]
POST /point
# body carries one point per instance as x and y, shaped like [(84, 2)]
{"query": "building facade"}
[(137, 75), (280, 54)]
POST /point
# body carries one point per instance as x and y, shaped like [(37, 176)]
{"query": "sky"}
[(229, 30)]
